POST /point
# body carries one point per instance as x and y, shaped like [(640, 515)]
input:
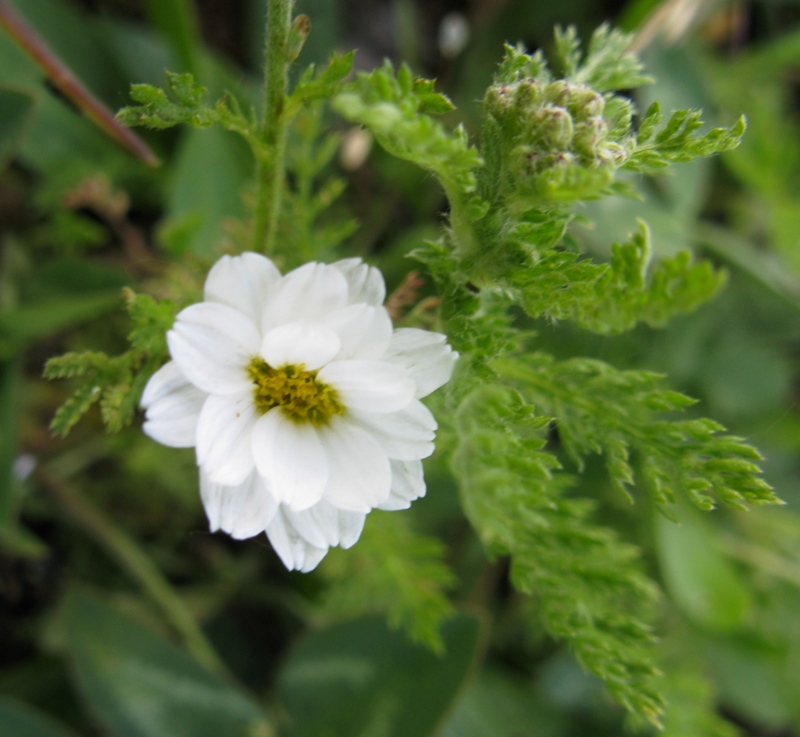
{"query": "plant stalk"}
[(138, 565), (62, 78), (271, 164)]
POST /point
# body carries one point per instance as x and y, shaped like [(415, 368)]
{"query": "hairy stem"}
[(138, 565), (271, 164)]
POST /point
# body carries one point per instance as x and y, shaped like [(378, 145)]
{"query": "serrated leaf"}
[(396, 113), (70, 413), (325, 84), (612, 298), (590, 590), (598, 408)]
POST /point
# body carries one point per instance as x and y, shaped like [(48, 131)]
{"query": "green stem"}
[(271, 166), (140, 567)]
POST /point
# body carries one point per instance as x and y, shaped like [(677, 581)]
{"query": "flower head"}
[(301, 401)]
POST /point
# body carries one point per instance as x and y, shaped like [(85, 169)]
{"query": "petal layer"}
[(360, 476), (213, 344), (242, 511), (365, 283), (292, 548), (172, 407), (426, 356), (224, 448), (307, 293), (408, 484), (291, 458), (406, 434), (371, 386), (365, 331), (309, 343), (323, 525), (242, 282)]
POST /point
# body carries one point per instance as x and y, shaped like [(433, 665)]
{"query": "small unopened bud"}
[(555, 127), (611, 153), (584, 102), (559, 92), (589, 134), (298, 33), (528, 95)]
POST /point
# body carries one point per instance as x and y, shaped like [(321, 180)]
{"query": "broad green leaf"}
[(360, 678), (20, 720), (17, 108), (176, 20), (701, 579), (138, 684), (9, 384), (25, 324), (211, 170), (497, 705), (752, 675)]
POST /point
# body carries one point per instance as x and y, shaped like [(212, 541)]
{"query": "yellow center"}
[(296, 391)]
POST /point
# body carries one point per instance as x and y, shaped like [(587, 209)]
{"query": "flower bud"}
[(589, 134), (584, 102), (554, 125), (558, 92)]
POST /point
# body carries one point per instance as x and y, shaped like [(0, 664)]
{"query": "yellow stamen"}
[(296, 391)]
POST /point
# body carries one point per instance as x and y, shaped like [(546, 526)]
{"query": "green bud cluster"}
[(556, 141)]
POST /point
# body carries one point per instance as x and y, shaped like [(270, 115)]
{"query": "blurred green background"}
[(84, 651)]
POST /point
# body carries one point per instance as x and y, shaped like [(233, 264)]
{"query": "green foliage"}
[(676, 141), (614, 297), (312, 87), (600, 409), (140, 685), (588, 583), (552, 138), (309, 229), (397, 109), (357, 677), (115, 382), (156, 109), (395, 570), (608, 64)]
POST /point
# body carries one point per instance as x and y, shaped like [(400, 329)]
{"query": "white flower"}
[(301, 401)]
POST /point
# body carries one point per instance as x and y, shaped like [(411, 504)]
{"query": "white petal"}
[(172, 407), (360, 477), (365, 283), (306, 293), (242, 282), (242, 511), (292, 548), (372, 386), (224, 449), (309, 343), (290, 457), (213, 345), (351, 524), (406, 434), (323, 525), (425, 355), (365, 331), (408, 484)]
